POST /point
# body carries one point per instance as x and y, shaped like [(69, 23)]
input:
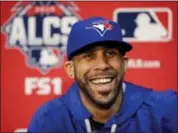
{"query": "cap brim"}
[(121, 45)]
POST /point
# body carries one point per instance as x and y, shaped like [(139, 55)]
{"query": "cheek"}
[(118, 66), (81, 70), (116, 63)]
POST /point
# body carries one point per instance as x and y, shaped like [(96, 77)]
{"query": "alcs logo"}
[(40, 30)]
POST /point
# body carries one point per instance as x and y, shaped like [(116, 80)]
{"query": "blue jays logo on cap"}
[(101, 26)]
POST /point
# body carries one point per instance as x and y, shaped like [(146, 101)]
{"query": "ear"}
[(125, 63), (69, 68)]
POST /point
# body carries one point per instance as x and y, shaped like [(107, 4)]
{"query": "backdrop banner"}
[(33, 50)]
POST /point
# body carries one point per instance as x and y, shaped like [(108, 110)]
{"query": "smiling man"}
[(100, 100)]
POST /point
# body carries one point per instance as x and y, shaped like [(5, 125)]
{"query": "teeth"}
[(102, 81)]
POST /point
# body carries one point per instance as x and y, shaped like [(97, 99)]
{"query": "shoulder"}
[(52, 107), (164, 101), (48, 116), (161, 102), (164, 104), (154, 97)]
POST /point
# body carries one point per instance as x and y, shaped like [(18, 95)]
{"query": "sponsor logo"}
[(144, 64), (40, 29), (43, 86), (145, 24)]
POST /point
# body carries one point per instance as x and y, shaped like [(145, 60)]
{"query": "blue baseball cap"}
[(95, 30)]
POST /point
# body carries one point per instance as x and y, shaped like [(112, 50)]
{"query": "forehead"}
[(97, 48), (94, 47)]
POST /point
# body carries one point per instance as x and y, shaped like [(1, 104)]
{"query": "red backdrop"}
[(26, 85)]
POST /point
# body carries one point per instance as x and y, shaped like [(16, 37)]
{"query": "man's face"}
[(99, 73)]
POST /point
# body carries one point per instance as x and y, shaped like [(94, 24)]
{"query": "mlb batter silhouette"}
[(48, 57), (146, 30)]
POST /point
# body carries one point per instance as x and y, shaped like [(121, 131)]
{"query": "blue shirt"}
[(142, 110)]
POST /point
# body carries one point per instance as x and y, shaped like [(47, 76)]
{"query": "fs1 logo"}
[(145, 24), (40, 30)]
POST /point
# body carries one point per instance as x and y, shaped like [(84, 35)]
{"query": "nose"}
[(101, 62)]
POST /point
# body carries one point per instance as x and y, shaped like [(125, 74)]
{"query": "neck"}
[(102, 115)]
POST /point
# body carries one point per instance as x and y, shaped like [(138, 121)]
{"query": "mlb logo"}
[(45, 57), (145, 24)]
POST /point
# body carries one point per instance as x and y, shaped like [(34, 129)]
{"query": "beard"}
[(111, 96)]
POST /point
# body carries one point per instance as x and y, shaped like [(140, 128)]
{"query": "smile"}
[(102, 80)]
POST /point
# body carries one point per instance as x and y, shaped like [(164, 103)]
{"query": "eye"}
[(112, 52), (88, 55)]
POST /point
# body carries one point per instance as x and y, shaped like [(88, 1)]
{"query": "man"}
[(100, 100)]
